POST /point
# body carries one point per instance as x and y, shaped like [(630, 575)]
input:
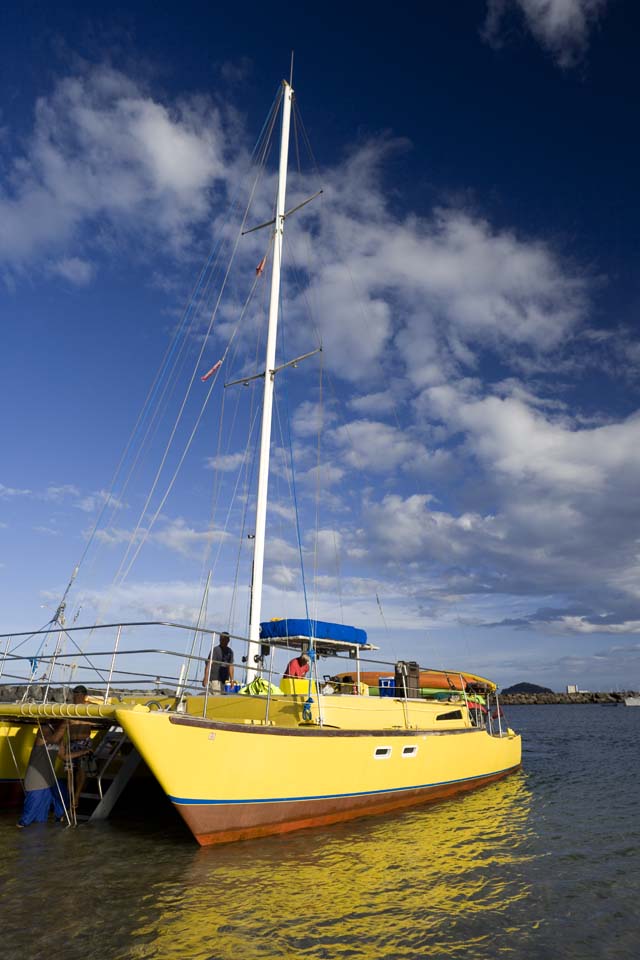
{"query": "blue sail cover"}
[(319, 629)]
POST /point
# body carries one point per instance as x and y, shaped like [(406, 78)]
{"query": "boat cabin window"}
[(382, 752), (452, 715), (409, 751)]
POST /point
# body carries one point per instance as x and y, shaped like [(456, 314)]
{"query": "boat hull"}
[(222, 823), (16, 741), (233, 781)]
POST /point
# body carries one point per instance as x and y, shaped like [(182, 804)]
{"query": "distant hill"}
[(526, 688)]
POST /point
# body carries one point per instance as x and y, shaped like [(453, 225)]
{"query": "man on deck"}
[(219, 668), (298, 667)]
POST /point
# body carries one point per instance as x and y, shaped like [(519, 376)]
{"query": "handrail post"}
[(113, 662), (208, 675), (6, 651), (58, 648), (464, 693), (270, 681)]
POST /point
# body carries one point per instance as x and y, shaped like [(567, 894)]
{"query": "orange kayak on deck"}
[(431, 679)]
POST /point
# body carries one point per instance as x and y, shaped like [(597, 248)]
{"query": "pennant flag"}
[(260, 266), (211, 372)]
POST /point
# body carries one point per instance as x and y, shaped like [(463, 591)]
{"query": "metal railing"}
[(104, 672)]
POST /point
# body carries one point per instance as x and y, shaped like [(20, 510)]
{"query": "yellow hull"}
[(234, 774), (16, 741), (234, 780), (18, 730)]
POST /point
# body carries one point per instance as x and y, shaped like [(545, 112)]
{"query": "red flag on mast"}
[(260, 266), (211, 372)]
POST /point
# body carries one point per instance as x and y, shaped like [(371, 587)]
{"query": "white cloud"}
[(524, 445), (7, 493), (563, 523), (380, 402), (226, 462), (582, 625), (561, 26), (104, 152), (377, 447), (76, 271), (183, 539), (427, 294), (321, 476), (311, 418), (177, 601), (175, 535), (56, 494), (95, 501)]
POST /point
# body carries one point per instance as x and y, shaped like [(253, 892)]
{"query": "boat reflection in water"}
[(426, 883)]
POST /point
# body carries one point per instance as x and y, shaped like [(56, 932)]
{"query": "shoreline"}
[(542, 699)]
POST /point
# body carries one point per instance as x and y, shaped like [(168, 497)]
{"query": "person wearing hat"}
[(298, 667)]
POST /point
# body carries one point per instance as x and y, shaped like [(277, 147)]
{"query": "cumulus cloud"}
[(103, 152), (428, 294), (561, 26), (226, 462), (563, 524), (376, 446), (175, 534), (534, 525), (524, 445), (176, 600)]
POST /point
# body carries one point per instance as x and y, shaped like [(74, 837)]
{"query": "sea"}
[(544, 864)]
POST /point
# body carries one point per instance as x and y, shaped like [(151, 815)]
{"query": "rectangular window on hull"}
[(382, 752), (409, 751), (452, 715)]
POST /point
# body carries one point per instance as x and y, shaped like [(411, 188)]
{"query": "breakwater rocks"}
[(35, 693), (530, 699), (11, 693)]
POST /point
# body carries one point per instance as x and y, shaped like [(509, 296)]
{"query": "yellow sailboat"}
[(249, 765), (271, 759)]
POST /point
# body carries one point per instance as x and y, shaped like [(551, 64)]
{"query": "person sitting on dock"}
[(298, 667), (219, 668), (41, 785)]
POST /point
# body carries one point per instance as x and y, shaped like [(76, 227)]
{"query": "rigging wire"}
[(124, 569), (318, 465), (291, 478), (165, 371), (249, 471), (231, 503), (217, 482), (189, 440)]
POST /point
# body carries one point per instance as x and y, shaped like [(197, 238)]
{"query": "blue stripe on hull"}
[(338, 796)]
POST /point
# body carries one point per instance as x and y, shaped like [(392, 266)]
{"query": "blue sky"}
[(470, 269)]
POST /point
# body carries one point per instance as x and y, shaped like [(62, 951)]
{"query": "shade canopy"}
[(312, 630)]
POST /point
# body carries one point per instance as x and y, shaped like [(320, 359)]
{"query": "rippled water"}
[(544, 864)]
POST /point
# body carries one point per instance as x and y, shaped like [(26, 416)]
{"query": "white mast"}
[(265, 438)]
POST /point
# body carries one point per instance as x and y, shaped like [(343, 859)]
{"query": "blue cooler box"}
[(387, 686)]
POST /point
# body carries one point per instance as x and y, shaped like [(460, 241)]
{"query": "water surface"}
[(546, 863)]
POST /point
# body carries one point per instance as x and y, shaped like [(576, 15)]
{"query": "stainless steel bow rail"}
[(103, 672)]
